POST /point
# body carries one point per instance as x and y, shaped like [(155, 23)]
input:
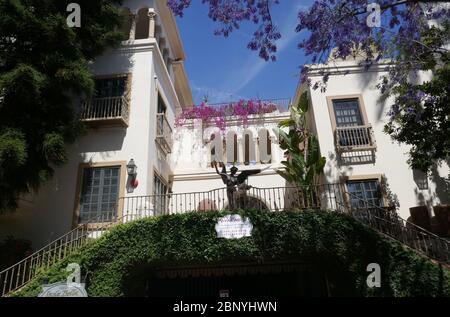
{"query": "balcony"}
[(163, 133), (109, 111), (355, 138)]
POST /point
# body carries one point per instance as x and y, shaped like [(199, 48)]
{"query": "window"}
[(364, 193), (99, 194), (347, 113), (265, 146), (247, 150), (160, 192), (110, 87), (161, 105), (160, 117), (349, 123)]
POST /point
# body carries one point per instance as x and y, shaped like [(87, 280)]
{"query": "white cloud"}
[(214, 95), (255, 65)]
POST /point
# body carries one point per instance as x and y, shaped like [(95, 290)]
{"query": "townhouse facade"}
[(348, 118), (140, 88), (135, 159)]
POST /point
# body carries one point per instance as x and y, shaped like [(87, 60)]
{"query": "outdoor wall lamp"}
[(132, 173)]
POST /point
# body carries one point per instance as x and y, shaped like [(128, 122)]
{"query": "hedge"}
[(330, 242)]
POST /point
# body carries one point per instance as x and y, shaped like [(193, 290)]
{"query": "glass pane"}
[(347, 112), (364, 193), (98, 197)]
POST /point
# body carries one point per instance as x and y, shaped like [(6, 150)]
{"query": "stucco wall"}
[(49, 213), (390, 158)]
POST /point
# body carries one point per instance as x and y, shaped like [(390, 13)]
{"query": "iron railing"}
[(324, 197), (163, 133), (327, 197), (18, 275), (357, 138), (281, 104), (109, 108), (138, 207), (388, 222)]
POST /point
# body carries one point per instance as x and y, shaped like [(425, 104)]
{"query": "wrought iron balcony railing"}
[(163, 133), (281, 104), (355, 138), (106, 111), (325, 197)]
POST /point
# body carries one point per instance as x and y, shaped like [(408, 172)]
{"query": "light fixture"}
[(132, 173), (131, 168)]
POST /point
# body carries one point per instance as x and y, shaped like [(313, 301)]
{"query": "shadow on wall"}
[(102, 142), (334, 163), (421, 200), (442, 192), (356, 158), (442, 185)]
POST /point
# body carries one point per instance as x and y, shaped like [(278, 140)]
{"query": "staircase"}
[(389, 223), (18, 275), (325, 197)]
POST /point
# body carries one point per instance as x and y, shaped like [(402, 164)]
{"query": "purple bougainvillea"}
[(411, 37)]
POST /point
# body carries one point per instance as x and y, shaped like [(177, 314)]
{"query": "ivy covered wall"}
[(331, 243)]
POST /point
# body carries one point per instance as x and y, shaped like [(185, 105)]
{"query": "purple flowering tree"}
[(339, 29)]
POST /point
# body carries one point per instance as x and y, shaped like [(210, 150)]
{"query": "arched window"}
[(127, 19), (232, 147), (249, 148), (142, 24), (265, 146), (269, 144)]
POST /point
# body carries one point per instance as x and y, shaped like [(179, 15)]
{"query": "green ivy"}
[(333, 243)]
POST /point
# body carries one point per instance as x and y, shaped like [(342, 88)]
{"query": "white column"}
[(151, 24), (256, 149), (134, 18), (240, 148), (275, 149)]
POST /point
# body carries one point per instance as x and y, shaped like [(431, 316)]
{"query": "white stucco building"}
[(348, 119), (142, 86), (140, 89)]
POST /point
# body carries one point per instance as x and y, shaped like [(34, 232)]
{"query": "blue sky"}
[(225, 70)]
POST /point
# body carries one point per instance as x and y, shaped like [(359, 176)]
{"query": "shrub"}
[(333, 243)]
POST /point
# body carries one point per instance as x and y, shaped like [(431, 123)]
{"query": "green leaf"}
[(303, 103), (286, 123)]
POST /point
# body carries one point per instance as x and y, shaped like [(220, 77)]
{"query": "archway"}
[(276, 279), (142, 24)]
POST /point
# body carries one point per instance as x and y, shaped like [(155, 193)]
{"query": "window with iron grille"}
[(160, 192), (347, 112), (99, 194), (365, 193)]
